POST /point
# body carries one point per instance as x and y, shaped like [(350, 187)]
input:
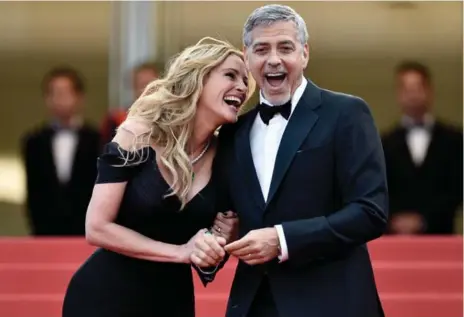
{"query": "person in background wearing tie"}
[(424, 160), (60, 159), (306, 176)]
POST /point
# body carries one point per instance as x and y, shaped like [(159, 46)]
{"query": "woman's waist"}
[(118, 260), (108, 271)]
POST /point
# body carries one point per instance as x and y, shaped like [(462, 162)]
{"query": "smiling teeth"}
[(275, 74), (232, 98)]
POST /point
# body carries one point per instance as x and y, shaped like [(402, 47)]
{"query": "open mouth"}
[(275, 79), (234, 102)]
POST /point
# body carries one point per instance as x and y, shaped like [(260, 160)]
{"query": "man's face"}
[(62, 99), (413, 94), (277, 59), (141, 79)]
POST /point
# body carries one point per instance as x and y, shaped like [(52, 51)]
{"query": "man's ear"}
[(305, 55), (245, 57)]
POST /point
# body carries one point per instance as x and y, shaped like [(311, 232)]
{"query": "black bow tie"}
[(268, 112)]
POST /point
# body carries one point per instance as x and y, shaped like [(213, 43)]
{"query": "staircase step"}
[(214, 305), (65, 250)]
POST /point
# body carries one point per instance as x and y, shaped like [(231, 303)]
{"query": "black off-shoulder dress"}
[(109, 284)]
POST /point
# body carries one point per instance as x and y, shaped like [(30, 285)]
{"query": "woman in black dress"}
[(156, 191)]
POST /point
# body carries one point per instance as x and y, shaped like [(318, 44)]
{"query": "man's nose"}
[(273, 60)]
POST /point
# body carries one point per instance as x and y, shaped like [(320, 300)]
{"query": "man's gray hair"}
[(270, 14)]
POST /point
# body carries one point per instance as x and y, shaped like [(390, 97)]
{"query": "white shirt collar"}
[(296, 95)]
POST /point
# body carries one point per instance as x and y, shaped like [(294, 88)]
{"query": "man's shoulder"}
[(449, 129), (89, 128), (344, 104), (450, 134), (35, 133), (341, 99), (34, 138), (391, 136)]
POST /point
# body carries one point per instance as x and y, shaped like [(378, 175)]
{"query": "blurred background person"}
[(424, 159), (141, 76), (60, 159)]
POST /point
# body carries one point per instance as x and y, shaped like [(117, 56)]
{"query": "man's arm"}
[(37, 220), (446, 203), (360, 172)]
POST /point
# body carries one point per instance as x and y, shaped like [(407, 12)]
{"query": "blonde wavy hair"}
[(168, 105)]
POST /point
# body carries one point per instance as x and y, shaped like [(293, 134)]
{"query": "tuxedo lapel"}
[(404, 148), (433, 148), (299, 126), (245, 158), (79, 152), (49, 157)]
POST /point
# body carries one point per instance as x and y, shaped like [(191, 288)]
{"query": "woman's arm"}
[(101, 230)]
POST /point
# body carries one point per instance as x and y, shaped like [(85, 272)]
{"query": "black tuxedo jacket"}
[(328, 191), (434, 188), (56, 209)]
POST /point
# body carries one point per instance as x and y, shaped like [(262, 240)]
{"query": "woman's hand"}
[(203, 249), (226, 226)]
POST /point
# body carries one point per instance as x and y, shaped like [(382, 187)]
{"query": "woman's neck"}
[(202, 133)]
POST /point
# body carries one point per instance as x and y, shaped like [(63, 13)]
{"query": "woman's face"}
[(224, 92)]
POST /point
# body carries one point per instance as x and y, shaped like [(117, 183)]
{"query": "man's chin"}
[(277, 98), (275, 93)]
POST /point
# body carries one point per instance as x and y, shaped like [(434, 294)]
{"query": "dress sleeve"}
[(116, 165)]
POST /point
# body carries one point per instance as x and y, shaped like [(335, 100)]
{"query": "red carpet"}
[(416, 277)]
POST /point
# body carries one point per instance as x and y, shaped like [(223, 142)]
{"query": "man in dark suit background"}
[(60, 159), (306, 176), (424, 160)]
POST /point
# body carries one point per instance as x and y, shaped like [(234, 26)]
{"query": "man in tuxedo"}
[(424, 160), (60, 159), (305, 174)]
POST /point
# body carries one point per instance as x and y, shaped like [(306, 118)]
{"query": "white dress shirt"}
[(265, 141), (64, 144), (418, 138)]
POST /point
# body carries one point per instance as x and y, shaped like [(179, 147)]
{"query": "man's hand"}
[(256, 247), (208, 250), (408, 222), (226, 226)]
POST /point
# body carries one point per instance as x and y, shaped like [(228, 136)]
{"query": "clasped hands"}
[(210, 247)]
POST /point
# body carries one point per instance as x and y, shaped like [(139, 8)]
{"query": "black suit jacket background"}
[(54, 208), (434, 189)]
